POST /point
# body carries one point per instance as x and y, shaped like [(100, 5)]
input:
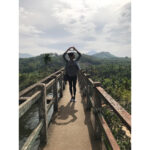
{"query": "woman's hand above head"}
[(69, 49), (73, 49)]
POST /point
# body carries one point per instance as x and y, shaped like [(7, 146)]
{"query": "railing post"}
[(61, 85), (97, 109), (63, 82), (87, 92), (55, 94), (83, 85), (43, 116), (80, 79)]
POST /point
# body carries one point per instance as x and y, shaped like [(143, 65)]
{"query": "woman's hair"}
[(70, 54)]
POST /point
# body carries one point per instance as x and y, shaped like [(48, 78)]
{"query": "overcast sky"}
[(55, 25)]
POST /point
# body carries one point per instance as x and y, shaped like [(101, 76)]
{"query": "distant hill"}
[(36, 63), (92, 52), (33, 69), (104, 55), (24, 55)]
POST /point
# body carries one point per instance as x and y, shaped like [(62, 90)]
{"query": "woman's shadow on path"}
[(63, 114)]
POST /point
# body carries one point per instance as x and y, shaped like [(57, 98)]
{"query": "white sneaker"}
[(71, 100), (74, 99)]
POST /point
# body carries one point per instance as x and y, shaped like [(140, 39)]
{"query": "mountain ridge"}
[(25, 55), (104, 55), (92, 52)]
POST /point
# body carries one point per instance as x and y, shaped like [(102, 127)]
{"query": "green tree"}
[(47, 59)]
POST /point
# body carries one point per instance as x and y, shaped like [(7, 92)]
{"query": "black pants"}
[(72, 83)]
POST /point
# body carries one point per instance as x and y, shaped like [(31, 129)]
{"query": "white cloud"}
[(29, 30), (50, 25)]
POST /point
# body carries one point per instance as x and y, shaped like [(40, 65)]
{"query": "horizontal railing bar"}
[(53, 74), (49, 99), (112, 141), (50, 104), (58, 76), (24, 107), (28, 89), (23, 98), (49, 84), (29, 142), (120, 111), (36, 84), (90, 81), (106, 129)]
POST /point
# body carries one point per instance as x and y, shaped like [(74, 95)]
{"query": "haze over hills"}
[(92, 52), (25, 55), (104, 55)]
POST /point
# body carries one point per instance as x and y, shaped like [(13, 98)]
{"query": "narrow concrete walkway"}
[(71, 128)]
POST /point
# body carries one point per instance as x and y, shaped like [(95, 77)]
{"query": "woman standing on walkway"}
[(71, 70)]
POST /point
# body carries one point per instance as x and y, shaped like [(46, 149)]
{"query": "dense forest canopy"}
[(114, 73), (115, 78)]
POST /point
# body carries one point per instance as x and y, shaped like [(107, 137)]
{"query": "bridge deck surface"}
[(71, 128)]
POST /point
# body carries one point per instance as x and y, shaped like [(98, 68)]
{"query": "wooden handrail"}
[(40, 95), (21, 93), (112, 141), (28, 144), (24, 107), (50, 83), (120, 111), (96, 104)]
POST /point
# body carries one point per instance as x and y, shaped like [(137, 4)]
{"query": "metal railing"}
[(37, 93), (96, 97)]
